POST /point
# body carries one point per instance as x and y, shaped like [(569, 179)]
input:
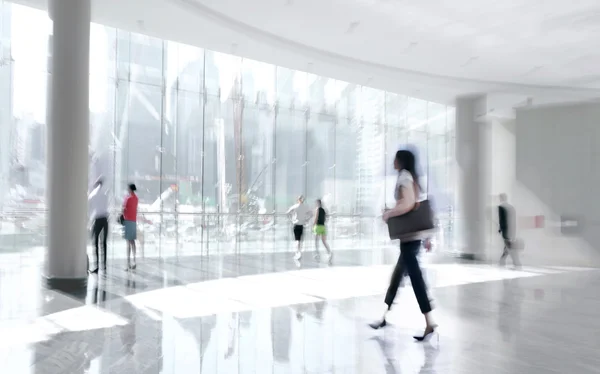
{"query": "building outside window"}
[(219, 146)]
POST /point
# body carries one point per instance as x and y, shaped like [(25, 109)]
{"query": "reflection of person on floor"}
[(300, 214), (430, 353), (507, 228), (319, 310), (389, 353), (128, 337), (233, 335), (131, 282), (315, 310), (98, 295), (321, 231), (509, 311), (245, 319), (281, 333)]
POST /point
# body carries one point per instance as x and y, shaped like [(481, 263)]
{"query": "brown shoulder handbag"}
[(417, 220)]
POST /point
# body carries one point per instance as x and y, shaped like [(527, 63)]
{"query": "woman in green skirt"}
[(321, 231)]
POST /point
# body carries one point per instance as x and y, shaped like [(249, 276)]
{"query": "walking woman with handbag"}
[(406, 195)]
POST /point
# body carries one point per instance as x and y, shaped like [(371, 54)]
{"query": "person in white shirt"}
[(300, 214), (407, 194), (98, 210)]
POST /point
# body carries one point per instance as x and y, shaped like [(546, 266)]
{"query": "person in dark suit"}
[(507, 228)]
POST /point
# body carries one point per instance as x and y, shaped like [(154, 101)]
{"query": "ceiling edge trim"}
[(408, 75)]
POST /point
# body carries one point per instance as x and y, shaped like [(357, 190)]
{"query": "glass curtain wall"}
[(219, 146)]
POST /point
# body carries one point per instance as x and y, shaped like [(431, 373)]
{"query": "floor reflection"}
[(201, 329), (387, 349), (394, 354), (136, 347), (97, 290), (281, 334), (430, 353), (509, 310), (302, 321)]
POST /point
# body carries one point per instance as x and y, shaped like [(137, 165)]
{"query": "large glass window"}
[(290, 158), (219, 146), (187, 152), (258, 131), (346, 168), (320, 157)]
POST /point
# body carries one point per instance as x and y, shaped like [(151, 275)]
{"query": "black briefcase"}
[(414, 222)]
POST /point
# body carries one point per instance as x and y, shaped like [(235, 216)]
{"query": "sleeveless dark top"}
[(321, 217)]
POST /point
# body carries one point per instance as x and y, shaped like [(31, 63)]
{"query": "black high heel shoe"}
[(429, 331), (378, 325)]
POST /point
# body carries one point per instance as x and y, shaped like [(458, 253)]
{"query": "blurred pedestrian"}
[(129, 220), (407, 198), (300, 214), (320, 231), (98, 210), (507, 228)]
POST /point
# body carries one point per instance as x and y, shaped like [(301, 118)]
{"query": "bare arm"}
[(316, 216), (404, 205)]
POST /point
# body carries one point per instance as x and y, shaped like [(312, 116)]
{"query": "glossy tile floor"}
[(265, 314)]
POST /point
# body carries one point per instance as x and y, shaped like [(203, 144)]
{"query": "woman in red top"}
[(130, 224)]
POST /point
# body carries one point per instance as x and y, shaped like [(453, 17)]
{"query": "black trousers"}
[(100, 227), (408, 263), (298, 232)]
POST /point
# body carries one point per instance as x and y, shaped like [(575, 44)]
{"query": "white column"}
[(68, 139), (472, 156)]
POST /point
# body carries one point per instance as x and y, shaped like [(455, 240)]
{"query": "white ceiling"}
[(435, 49)]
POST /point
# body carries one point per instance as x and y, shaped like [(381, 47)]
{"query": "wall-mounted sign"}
[(538, 222)]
